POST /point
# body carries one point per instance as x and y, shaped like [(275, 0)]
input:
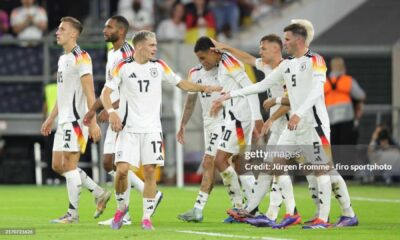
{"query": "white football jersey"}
[(140, 88), (273, 92), (300, 75), (113, 58), (232, 76), (71, 101), (200, 76)]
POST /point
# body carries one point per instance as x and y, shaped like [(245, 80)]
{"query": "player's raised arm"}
[(241, 55)]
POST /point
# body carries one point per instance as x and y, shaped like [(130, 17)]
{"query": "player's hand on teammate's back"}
[(45, 130), (293, 122), (180, 136), (266, 126), (95, 132), (87, 119), (103, 116), (267, 104), (115, 121)]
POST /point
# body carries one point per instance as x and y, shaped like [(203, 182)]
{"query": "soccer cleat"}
[(147, 225), (312, 221), (159, 197), (287, 221), (347, 221), (239, 214), (260, 221), (318, 224), (193, 215), (125, 221), (230, 219), (118, 219), (101, 203), (66, 219)]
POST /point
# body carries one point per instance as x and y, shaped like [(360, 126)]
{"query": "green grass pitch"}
[(377, 207)]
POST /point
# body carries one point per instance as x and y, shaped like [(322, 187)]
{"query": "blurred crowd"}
[(182, 20)]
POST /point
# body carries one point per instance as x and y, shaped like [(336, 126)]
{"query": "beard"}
[(112, 38)]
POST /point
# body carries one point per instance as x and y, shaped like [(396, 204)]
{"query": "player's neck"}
[(139, 58), (69, 46), (275, 61), (118, 44), (301, 52)]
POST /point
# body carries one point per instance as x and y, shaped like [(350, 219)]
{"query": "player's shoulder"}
[(78, 52), (316, 59), (229, 62), (195, 70), (161, 64), (121, 64), (127, 50)]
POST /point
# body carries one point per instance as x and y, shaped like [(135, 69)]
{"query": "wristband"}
[(278, 100), (111, 110)]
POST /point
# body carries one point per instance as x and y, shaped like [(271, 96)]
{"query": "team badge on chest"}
[(303, 66), (153, 72)]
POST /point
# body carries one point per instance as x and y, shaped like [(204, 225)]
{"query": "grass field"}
[(377, 207)]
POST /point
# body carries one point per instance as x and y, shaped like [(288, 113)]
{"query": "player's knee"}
[(122, 171), (108, 162), (57, 167)]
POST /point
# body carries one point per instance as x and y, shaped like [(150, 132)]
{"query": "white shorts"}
[(139, 148), (236, 136), (109, 142), (71, 137), (212, 136), (313, 143)]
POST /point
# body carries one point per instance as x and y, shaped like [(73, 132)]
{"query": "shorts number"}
[(213, 136), (155, 143), (227, 134), (67, 135), (143, 85)]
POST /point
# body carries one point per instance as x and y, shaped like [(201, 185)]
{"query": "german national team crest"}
[(303, 67), (153, 72)]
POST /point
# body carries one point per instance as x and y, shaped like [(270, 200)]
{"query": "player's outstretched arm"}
[(241, 55), (190, 103), (194, 87)]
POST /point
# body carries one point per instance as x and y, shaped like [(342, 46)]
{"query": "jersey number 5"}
[(294, 80)]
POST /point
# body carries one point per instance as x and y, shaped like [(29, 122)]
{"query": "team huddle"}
[(131, 102)]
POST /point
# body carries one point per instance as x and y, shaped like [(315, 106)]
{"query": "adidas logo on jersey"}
[(66, 145), (160, 158), (209, 149), (133, 75), (287, 70), (222, 145)]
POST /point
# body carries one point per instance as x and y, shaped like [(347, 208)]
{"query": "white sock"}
[(247, 182), (259, 191), (90, 184), (112, 173), (201, 200), (136, 182), (74, 185), (123, 198), (339, 187), (275, 200), (313, 189), (286, 187), (148, 207), (231, 182), (324, 195)]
